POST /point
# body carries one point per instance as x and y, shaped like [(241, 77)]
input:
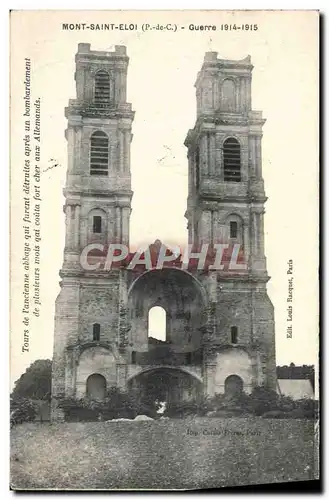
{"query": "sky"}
[(162, 71)]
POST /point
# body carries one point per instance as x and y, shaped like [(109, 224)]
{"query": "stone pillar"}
[(70, 150), (243, 94), (212, 154), (83, 231), (258, 156), (121, 151), (218, 165), (125, 212), (261, 234), (251, 156), (209, 378), (127, 140), (246, 243), (248, 93), (205, 229), (118, 233), (77, 227), (122, 79), (69, 232), (111, 225), (122, 376), (203, 155)]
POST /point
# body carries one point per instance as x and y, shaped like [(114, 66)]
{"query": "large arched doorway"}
[(166, 384), (96, 387), (233, 386)]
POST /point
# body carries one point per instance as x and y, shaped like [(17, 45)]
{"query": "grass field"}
[(174, 454)]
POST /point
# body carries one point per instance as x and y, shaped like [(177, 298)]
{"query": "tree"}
[(35, 383)]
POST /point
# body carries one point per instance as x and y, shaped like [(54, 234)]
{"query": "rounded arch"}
[(196, 282), (228, 95), (98, 133), (233, 385), (96, 387), (173, 369)]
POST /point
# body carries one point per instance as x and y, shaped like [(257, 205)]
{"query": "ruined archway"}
[(166, 384), (182, 297)]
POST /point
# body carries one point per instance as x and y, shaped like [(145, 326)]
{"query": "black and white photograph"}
[(164, 193)]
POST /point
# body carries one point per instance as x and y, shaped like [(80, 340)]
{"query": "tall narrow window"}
[(133, 357), (102, 88), (97, 224), (157, 323), (234, 334), (96, 332), (99, 153), (232, 160), (233, 229)]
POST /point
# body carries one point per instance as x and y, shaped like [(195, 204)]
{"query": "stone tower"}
[(226, 205), (219, 323), (97, 208)]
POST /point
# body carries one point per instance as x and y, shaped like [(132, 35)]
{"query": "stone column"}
[(125, 212), (246, 243), (111, 225), (251, 156), (261, 234), (248, 93), (69, 232), (219, 163), (121, 376), (83, 231), (70, 150), (258, 156), (205, 226), (209, 378), (203, 155), (212, 155), (127, 139), (121, 151), (118, 233), (122, 87), (77, 227)]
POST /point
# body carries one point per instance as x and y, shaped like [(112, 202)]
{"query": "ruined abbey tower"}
[(219, 324)]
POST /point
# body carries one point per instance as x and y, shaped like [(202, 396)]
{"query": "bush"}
[(182, 409), (22, 410), (117, 404)]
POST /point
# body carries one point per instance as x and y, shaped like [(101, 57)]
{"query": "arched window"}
[(97, 224), (99, 153), (232, 160), (133, 357), (228, 96), (234, 334), (157, 324), (96, 332), (96, 387), (102, 88), (233, 385)]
